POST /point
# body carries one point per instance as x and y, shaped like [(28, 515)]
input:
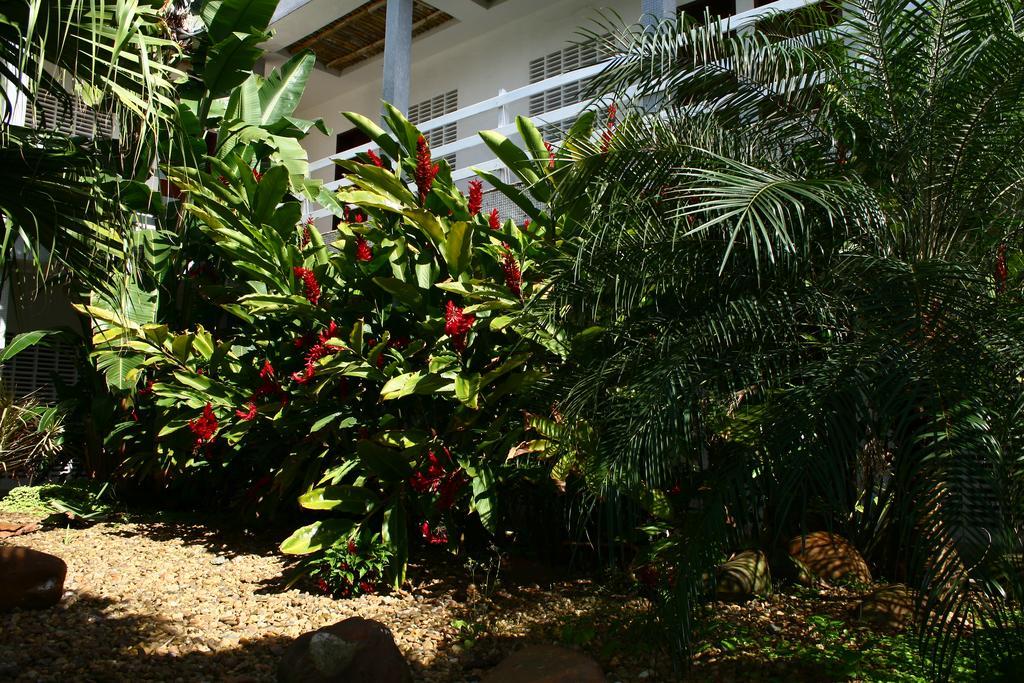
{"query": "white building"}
[(470, 65)]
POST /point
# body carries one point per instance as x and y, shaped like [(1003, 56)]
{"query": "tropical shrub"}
[(67, 200), (31, 435), (178, 79), (377, 376), (346, 570), (802, 253), (82, 498)]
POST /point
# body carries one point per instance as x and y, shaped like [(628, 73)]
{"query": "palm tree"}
[(802, 244), (62, 197)]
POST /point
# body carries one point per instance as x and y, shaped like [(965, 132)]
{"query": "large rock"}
[(890, 607), (30, 579), (744, 576), (355, 650), (829, 556), (546, 664)]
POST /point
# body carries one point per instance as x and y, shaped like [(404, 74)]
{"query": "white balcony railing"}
[(501, 103)]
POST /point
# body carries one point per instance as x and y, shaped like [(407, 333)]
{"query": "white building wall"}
[(478, 59)]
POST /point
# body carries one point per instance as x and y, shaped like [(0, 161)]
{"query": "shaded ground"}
[(163, 601), (151, 600)]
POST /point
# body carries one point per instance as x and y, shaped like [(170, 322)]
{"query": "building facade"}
[(464, 62)]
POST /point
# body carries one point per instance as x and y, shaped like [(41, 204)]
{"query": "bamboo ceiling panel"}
[(359, 35)]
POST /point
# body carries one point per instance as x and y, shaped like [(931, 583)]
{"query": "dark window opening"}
[(698, 11)]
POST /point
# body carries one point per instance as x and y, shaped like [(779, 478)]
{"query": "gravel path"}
[(169, 601)]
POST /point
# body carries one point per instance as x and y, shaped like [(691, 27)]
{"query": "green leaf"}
[(24, 341), (467, 389), (317, 536), (119, 368), (355, 339), (389, 464), (428, 223), (378, 180), (511, 156), (197, 382), (280, 93), (181, 346), (225, 17), (535, 143), (500, 322), (230, 62), (355, 500), (375, 133), (512, 193), (506, 367), (395, 534), (403, 291), (484, 500), (413, 383), (324, 421), (458, 248), (270, 192), (406, 133)]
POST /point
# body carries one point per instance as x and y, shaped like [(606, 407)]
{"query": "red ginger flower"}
[(249, 413), (449, 489), (374, 159), (311, 288), (304, 375), (205, 426), (606, 136), (493, 220), (551, 154), (457, 325), (351, 217), (430, 478), (257, 175), (267, 371), (1001, 270), (513, 276), (269, 386), (476, 196), (425, 170), (439, 537), (363, 250), (318, 350)]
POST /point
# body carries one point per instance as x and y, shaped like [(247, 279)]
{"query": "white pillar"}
[(18, 114), (397, 54), (5, 302)]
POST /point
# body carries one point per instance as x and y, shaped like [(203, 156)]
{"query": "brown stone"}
[(355, 650), (546, 664), (30, 579), (890, 607), (745, 575), (8, 530), (829, 556)]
